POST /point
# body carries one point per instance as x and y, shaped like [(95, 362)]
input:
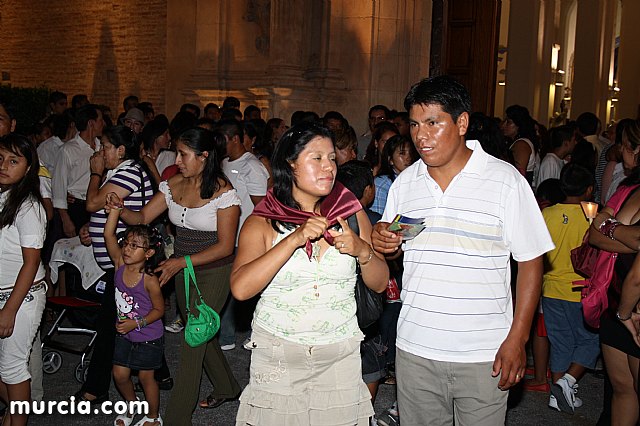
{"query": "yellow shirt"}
[(567, 226)]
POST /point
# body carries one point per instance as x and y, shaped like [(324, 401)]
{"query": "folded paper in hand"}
[(407, 227)]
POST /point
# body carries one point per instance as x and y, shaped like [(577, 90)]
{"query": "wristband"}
[(368, 258), (622, 319), (608, 227), (96, 174)]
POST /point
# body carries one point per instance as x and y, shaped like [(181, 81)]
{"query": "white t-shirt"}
[(165, 159), (550, 168), (249, 177), (456, 291), (27, 231), (48, 152)]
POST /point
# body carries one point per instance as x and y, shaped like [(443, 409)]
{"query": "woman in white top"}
[(519, 127), (22, 288), (204, 208), (156, 144), (305, 363)]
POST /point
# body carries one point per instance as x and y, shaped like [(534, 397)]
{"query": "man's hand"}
[(383, 240), (68, 227), (85, 238), (510, 363)]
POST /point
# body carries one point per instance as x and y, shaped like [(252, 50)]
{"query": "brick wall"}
[(107, 49)]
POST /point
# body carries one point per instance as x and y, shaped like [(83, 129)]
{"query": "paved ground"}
[(525, 408)]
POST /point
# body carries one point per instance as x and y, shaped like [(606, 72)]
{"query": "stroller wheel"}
[(51, 362), (81, 371)]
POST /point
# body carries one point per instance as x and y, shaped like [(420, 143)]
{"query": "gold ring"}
[(517, 376)]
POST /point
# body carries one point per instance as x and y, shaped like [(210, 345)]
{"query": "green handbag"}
[(198, 330)]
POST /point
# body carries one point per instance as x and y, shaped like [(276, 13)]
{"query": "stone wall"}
[(107, 49)]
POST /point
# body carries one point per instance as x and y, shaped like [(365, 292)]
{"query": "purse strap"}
[(189, 273)]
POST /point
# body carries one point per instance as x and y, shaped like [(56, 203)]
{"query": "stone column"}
[(286, 46), (593, 57), (629, 61)]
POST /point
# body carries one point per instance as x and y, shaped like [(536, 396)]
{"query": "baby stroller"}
[(51, 346)]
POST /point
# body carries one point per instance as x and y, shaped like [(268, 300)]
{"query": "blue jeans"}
[(570, 340)]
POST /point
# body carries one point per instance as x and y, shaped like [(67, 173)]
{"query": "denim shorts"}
[(138, 355), (570, 340), (372, 353)]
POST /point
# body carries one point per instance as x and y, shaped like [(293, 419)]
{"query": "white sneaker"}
[(229, 347), (174, 327), (553, 403), (578, 402), (564, 394), (247, 344)]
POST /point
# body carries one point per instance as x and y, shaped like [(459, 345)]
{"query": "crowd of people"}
[(292, 218)]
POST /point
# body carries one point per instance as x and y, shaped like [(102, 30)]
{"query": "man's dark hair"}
[(209, 106), (55, 96), (129, 98), (380, 107), (146, 108), (231, 114), (79, 99), (180, 123), (575, 180), (191, 108), (230, 128), (451, 95), (60, 124), (587, 123), (231, 102), (355, 175), (84, 114), (559, 135), (248, 110), (8, 106)]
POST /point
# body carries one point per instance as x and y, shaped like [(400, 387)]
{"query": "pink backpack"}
[(594, 288)]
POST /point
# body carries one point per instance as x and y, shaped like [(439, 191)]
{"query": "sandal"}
[(212, 402), (126, 420), (146, 419)]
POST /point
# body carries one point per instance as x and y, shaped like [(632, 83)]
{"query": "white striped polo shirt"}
[(456, 291)]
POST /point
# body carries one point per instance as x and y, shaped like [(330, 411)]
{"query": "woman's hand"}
[(633, 325), (311, 230), (348, 242), (96, 163), (169, 268), (7, 321), (126, 325)]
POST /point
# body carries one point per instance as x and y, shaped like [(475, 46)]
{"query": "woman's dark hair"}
[(259, 146), (486, 131), (151, 132), (124, 136), (394, 143), (29, 186), (632, 131), (286, 152), (201, 140), (152, 239), (355, 175), (526, 125), (372, 156)]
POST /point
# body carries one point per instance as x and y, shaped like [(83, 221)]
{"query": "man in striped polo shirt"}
[(460, 345)]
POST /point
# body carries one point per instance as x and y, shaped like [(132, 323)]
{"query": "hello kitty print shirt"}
[(133, 302)]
